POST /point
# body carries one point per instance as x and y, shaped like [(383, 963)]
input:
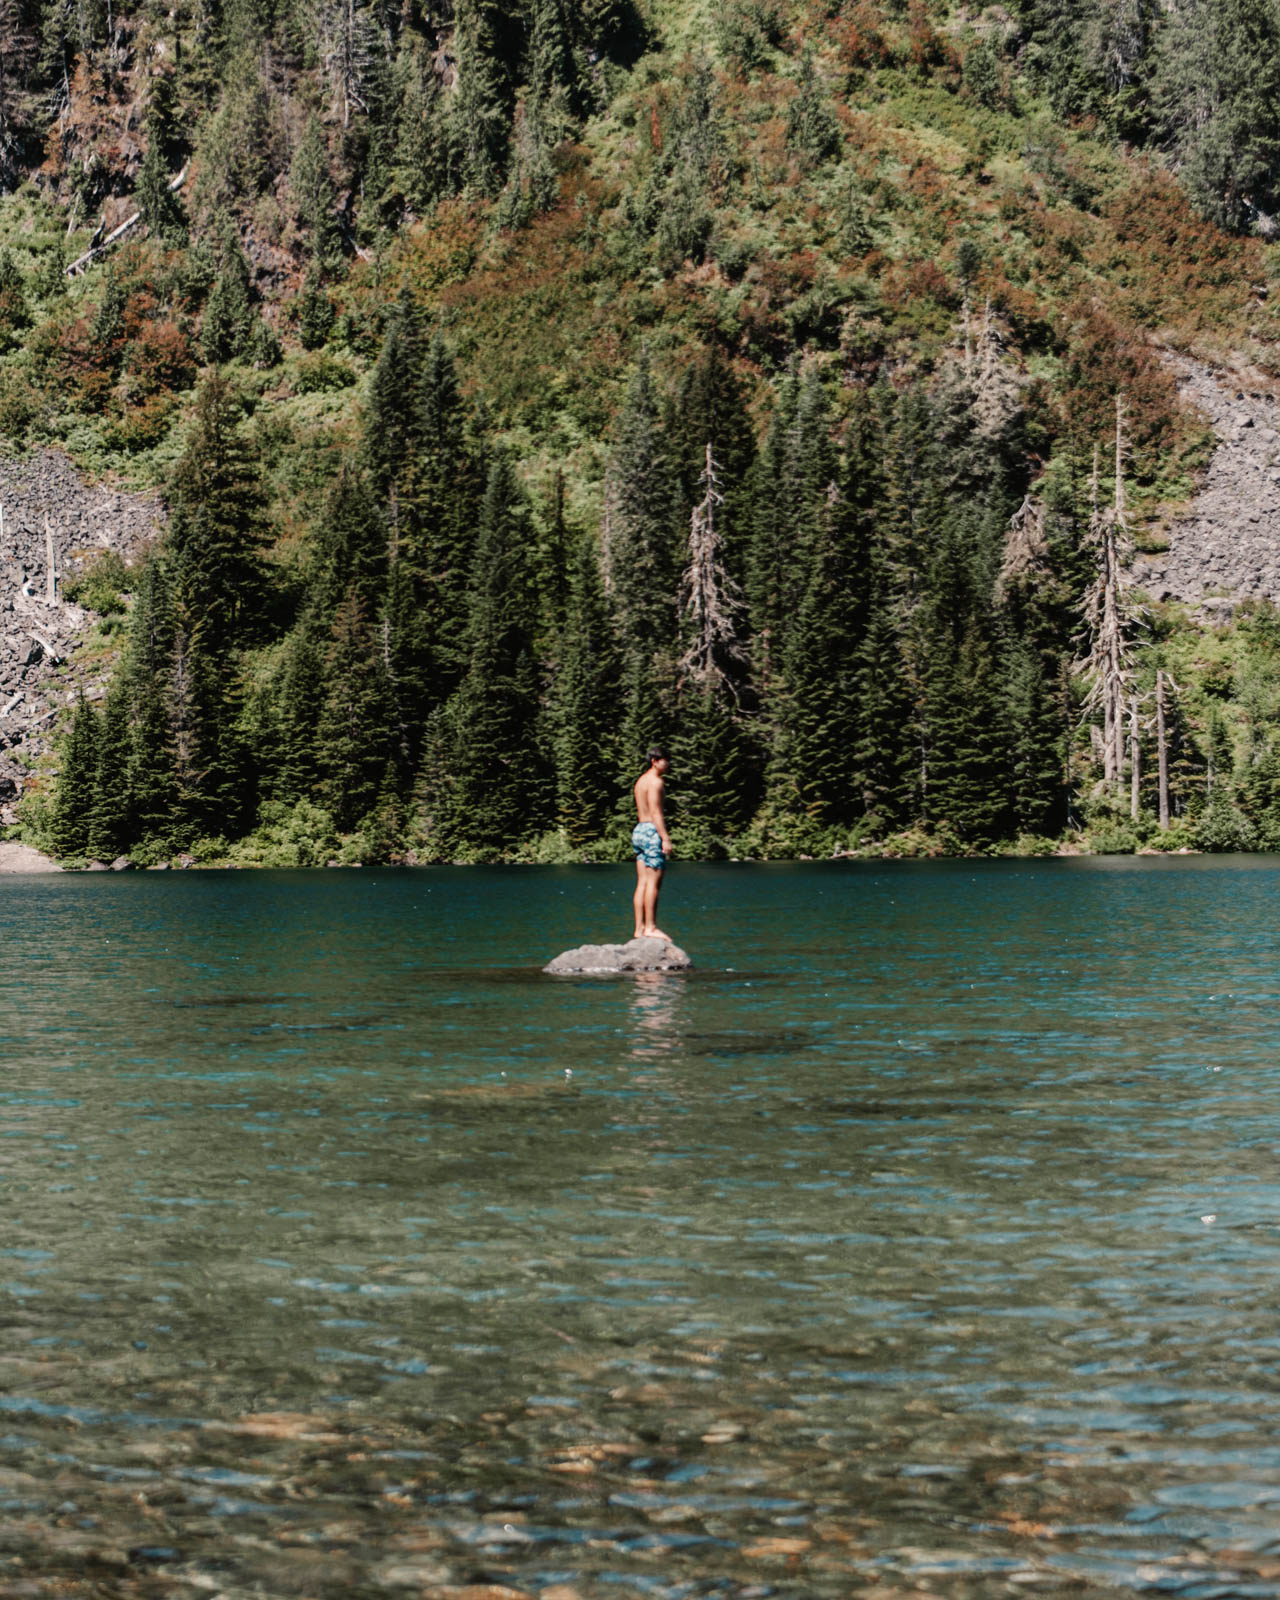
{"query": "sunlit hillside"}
[(428, 319)]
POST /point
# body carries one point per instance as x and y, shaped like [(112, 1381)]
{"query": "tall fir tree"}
[(643, 522), (71, 819), (217, 528), (350, 551), (770, 559), (159, 205), (299, 700), (351, 744), (314, 200), (111, 815), (586, 705), (499, 761)]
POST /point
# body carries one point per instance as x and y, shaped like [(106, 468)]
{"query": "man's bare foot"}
[(655, 933)]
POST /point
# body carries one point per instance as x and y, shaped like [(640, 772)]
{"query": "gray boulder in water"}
[(637, 955)]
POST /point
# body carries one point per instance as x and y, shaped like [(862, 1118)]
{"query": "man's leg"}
[(638, 900), (652, 887)]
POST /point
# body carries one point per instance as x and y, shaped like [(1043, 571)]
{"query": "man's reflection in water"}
[(655, 1004), (656, 1027)]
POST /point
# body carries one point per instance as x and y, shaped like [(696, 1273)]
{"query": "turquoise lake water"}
[(926, 1238)]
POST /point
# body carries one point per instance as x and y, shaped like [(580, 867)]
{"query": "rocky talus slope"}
[(52, 523), (1225, 546)]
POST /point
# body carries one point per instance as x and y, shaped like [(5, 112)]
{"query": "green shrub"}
[(100, 584), (301, 835), (1113, 839), (1222, 827), (320, 373), (19, 406)]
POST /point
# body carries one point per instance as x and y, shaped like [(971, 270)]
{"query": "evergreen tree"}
[(966, 762), (712, 759), (422, 160), (300, 692), (152, 782), (555, 80), (553, 570), (885, 762), (71, 819), (982, 74), (216, 584), (813, 133), (315, 313), (14, 312), (351, 548), (311, 187), (351, 744), (818, 723), (213, 775), (160, 207), (217, 527), (770, 575), (445, 489), (799, 515), (111, 815), (228, 313), (586, 705), (107, 328), (1218, 91), (642, 523), (145, 671), (480, 111), (711, 409), (391, 436), (1261, 797), (499, 765)]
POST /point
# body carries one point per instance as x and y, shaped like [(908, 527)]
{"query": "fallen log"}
[(95, 250)]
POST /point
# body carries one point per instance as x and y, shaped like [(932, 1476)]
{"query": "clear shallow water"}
[(927, 1237)]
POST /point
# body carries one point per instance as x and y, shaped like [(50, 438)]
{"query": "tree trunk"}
[(1162, 752), (1135, 776)]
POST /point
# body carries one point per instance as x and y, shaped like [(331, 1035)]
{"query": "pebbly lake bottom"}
[(926, 1239)]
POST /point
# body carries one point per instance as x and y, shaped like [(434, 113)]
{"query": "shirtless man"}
[(652, 845)]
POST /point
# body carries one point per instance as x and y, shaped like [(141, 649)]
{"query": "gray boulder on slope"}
[(637, 955)]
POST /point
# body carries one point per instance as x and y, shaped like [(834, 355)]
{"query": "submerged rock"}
[(637, 955)]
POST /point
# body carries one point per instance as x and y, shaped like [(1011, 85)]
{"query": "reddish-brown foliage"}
[(160, 358), (1174, 266), (925, 45), (1105, 357), (858, 37)]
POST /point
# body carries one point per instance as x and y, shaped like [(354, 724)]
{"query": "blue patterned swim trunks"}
[(646, 841)]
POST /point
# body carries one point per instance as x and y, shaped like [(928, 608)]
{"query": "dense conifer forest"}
[(782, 381)]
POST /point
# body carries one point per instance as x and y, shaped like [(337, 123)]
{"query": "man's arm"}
[(659, 820)]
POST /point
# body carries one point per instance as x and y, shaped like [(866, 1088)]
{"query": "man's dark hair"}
[(656, 753)]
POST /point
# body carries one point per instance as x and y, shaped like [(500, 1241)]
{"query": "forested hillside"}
[(787, 383)]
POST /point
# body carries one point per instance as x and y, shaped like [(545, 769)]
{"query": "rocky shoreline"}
[(21, 858)]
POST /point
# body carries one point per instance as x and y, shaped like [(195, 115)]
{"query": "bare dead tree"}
[(709, 597), (1025, 544), (1162, 751), (1110, 616), (348, 45), (18, 47)]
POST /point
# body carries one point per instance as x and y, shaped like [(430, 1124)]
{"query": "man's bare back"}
[(649, 791), (651, 843)]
